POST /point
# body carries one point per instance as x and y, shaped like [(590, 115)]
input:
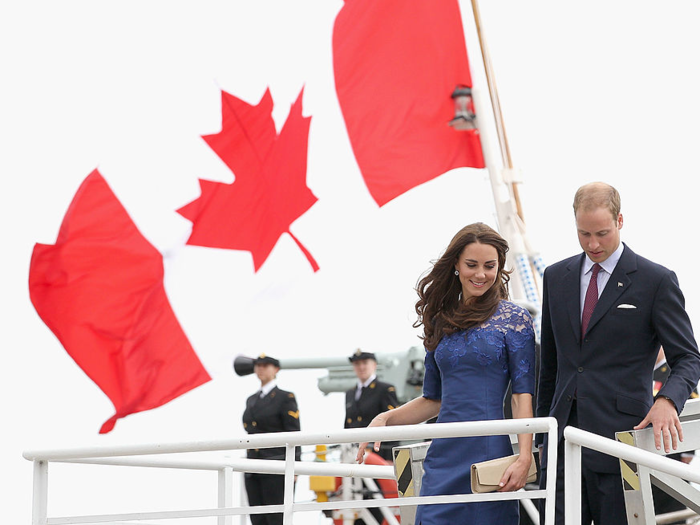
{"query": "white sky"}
[(605, 91)]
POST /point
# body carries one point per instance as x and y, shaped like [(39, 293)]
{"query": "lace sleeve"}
[(520, 341)]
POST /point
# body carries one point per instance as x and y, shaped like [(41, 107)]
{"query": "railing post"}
[(225, 496), (347, 495), (289, 485), (551, 481), (243, 497), (40, 499), (572, 483), (636, 486)]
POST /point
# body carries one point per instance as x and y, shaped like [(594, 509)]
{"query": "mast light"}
[(465, 118)]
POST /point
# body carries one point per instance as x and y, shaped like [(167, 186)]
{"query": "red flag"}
[(270, 190), (100, 291), (396, 64)]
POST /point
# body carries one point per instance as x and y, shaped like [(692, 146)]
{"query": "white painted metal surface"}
[(576, 438), (143, 455)]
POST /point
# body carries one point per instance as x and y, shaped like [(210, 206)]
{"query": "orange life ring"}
[(388, 487)]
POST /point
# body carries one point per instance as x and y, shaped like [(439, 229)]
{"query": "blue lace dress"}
[(470, 372)]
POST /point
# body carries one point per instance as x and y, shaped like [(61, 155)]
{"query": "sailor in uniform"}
[(369, 398), (270, 409)]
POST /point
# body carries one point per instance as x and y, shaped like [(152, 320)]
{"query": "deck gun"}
[(404, 370)]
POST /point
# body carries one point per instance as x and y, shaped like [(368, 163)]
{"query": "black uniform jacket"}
[(376, 398), (608, 371), (276, 412)]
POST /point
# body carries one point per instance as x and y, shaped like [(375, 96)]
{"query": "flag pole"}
[(511, 214), (496, 105)]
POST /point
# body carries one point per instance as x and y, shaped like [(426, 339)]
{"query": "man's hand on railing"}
[(378, 421), (663, 416)]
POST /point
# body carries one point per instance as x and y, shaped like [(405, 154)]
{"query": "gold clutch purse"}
[(487, 475)]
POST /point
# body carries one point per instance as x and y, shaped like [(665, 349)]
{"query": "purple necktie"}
[(591, 299)]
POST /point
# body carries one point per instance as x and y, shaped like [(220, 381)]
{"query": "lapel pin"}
[(619, 284)]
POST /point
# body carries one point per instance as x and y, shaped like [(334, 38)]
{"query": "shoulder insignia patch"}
[(295, 415)]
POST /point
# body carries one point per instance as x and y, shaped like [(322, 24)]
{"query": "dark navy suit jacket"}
[(609, 370)]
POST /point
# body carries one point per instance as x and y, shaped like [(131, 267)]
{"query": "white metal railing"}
[(143, 456), (691, 410), (575, 439)]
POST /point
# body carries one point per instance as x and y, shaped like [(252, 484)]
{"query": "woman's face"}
[(478, 269), (266, 372)]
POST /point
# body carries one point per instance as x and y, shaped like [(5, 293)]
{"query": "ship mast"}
[(505, 178)]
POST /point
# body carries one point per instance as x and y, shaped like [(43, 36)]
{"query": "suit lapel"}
[(271, 395), (571, 291), (618, 283), (267, 400)]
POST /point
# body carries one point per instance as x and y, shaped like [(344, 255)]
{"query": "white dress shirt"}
[(606, 269), (267, 388), (360, 386)]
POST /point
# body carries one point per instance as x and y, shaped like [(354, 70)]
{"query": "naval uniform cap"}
[(359, 355), (263, 359)]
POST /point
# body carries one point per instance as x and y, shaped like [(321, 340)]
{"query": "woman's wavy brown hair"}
[(439, 308)]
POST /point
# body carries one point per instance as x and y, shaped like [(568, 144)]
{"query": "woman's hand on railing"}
[(515, 476), (378, 421)]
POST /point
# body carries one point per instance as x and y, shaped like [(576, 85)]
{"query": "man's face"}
[(598, 232), (364, 368)]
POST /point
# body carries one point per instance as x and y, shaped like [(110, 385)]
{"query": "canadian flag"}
[(100, 290), (288, 207)]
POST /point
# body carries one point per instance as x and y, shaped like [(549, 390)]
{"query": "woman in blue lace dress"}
[(477, 342)]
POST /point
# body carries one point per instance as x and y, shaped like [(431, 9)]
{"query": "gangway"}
[(169, 455), (637, 479), (649, 466), (641, 465)]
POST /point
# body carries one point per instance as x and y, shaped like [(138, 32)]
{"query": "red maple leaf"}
[(269, 192)]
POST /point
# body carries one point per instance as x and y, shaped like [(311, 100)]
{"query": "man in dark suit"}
[(369, 398), (270, 409), (605, 314)]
